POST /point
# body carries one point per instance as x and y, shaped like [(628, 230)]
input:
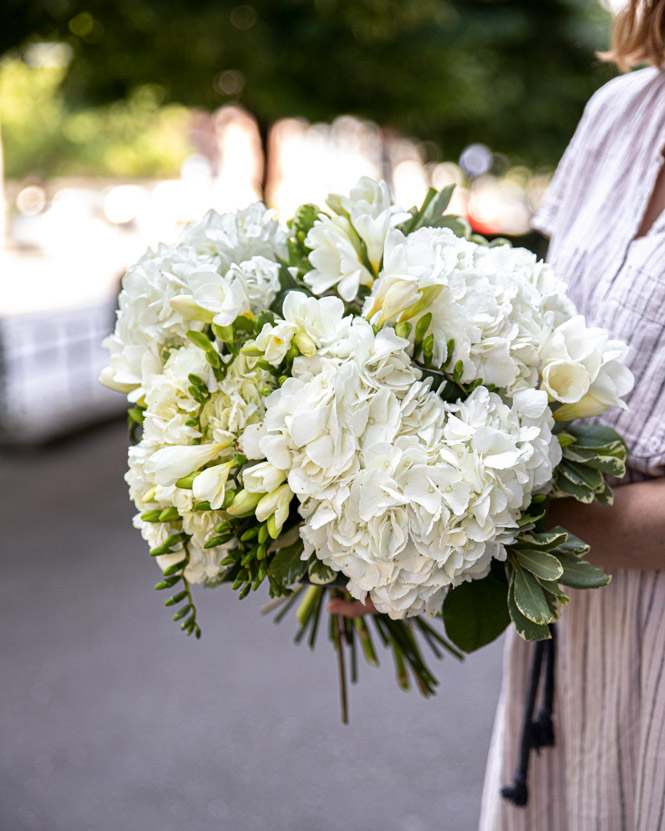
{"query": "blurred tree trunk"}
[(264, 133)]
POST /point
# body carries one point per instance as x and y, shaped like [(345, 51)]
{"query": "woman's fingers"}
[(351, 608)]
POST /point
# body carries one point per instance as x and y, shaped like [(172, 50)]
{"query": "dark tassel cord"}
[(538, 733)]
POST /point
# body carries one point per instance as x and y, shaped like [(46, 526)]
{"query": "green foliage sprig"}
[(526, 589)]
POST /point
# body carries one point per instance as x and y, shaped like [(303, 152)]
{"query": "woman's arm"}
[(628, 534)]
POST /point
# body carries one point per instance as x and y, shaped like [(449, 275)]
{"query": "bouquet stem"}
[(340, 665)]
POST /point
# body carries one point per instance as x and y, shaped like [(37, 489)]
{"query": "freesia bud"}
[(276, 503), (189, 309), (210, 484), (172, 463), (107, 378), (304, 343), (427, 296), (244, 503), (399, 297), (587, 407)]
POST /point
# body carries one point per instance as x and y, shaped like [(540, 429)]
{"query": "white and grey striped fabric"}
[(607, 771)]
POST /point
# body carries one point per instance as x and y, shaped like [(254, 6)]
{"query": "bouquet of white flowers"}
[(372, 402)]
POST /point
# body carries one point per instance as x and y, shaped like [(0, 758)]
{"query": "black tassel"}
[(538, 733), (543, 728), (517, 793)]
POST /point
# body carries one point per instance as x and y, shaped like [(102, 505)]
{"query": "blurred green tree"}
[(513, 74)]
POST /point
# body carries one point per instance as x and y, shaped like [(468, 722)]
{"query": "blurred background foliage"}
[(44, 135), (514, 74)]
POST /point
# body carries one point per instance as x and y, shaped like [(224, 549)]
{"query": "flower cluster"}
[(222, 267), (391, 403)]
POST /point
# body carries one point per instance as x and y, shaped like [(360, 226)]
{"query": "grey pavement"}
[(112, 720)]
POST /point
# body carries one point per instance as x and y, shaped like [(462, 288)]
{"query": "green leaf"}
[(320, 574), (543, 540), (564, 487), (286, 566), (589, 476), (457, 224), (136, 415), (552, 587), (580, 574), (573, 545), (434, 208), (540, 564), (529, 597), (597, 437), (476, 613), (605, 495), (244, 324), (526, 629), (530, 519), (565, 440), (613, 465)]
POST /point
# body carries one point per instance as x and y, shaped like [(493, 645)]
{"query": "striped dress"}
[(607, 771)]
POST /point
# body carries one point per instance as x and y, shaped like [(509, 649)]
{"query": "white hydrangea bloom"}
[(146, 321), (238, 400), (402, 493), (497, 304), (227, 261), (237, 237)]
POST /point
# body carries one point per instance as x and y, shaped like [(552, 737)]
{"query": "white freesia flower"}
[(262, 478), (318, 319), (336, 258), (372, 214), (309, 323), (275, 341), (225, 299), (584, 370)]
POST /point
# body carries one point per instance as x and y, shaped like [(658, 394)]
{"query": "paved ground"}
[(112, 720)]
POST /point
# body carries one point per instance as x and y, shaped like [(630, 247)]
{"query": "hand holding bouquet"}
[(372, 402)]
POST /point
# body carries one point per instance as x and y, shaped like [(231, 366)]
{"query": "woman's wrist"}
[(628, 534)]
